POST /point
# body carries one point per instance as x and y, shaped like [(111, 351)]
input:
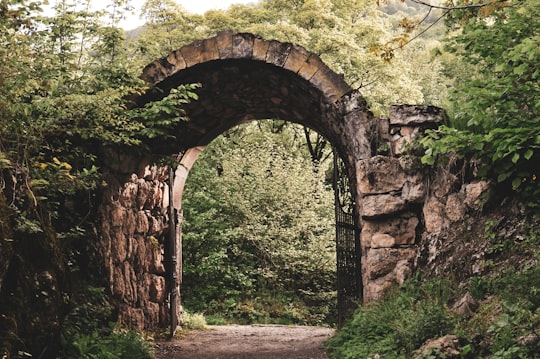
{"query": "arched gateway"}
[(244, 78)]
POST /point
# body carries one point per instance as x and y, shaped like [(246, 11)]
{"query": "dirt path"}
[(248, 342)]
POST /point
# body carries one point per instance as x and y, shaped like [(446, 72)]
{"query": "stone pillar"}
[(134, 224), (390, 194)]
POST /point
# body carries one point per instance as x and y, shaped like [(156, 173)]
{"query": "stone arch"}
[(245, 78), (226, 46)]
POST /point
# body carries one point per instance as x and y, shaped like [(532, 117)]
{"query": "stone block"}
[(403, 270), (474, 192), (242, 46), (260, 49), (192, 53), (448, 347), (157, 225), (154, 73), (375, 289), (128, 195), (332, 85), (380, 174), (151, 199), (119, 247), (278, 52), (130, 287), (465, 306), (139, 260), (434, 216), (155, 258), (401, 229), (143, 193), (177, 61), (405, 136), (382, 240), (165, 201), (443, 184), (117, 282), (209, 50), (381, 205), (382, 261), (455, 207), (384, 267), (414, 189), (224, 44), (353, 101), (157, 290), (130, 223), (296, 59), (310, 67), (135, 318), (151, 315), (117, 216), (142, 225)]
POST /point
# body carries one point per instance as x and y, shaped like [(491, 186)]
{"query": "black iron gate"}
[(349, 278), (172, 258)]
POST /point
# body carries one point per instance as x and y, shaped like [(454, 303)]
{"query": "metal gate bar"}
[(349, 278), (173, 294)]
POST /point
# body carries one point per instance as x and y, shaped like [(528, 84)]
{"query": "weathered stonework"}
[(244, 78), (392, 195), (133, 231)]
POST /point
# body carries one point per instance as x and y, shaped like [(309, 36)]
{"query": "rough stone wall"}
[(391, 196), (133, 240)]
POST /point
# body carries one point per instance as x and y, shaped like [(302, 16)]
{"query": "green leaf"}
[(521, 69), (503, 176), (528, 154), (515, 157), (428, 160)]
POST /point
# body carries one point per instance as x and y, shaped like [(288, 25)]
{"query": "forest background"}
[(265, 253)]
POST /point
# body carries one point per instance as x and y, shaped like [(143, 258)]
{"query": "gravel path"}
[(248, 342)]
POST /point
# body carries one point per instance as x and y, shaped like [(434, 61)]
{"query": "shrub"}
[(397, 325), (193, 320)]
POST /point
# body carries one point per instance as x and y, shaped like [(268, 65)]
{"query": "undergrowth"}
[(395, 326), (505, 323), (88, 333)]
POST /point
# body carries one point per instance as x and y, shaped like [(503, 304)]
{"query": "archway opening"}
[(259, 229)]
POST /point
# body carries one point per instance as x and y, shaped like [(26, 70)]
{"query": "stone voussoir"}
[(192, 53), (224, 43), (260, 49), (298, 56), (209, 50), (332, 85), (154, 72), (312, 65), (242, 46), (176, 59), (278, 52)]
